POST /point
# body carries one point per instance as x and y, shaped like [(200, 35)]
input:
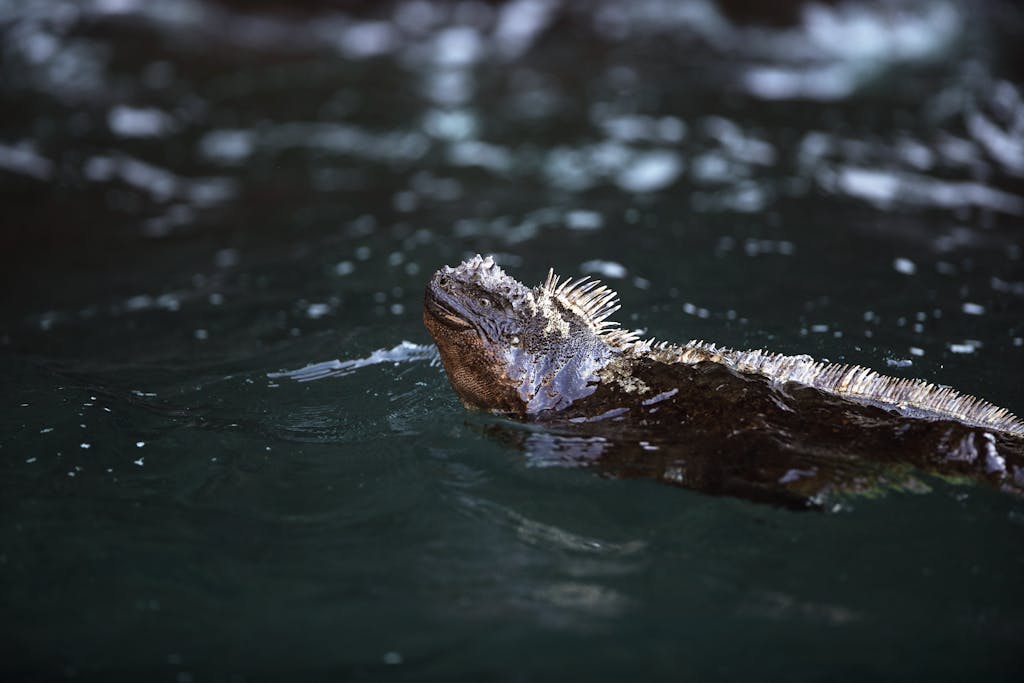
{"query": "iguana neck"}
[(550, 378)]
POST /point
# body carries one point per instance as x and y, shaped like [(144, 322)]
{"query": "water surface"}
[(200, 193)]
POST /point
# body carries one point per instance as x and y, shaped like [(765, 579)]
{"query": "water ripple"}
[(886, 189), (405, 352)]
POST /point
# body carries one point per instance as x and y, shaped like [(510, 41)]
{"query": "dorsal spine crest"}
[(849, 381), (593, 301)]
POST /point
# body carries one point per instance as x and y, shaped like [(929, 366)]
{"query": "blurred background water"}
[(198, 193)]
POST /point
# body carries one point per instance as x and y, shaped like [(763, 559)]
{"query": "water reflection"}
[(792, 447)]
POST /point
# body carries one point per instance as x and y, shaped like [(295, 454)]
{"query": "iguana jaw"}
[(474, 368), (442, 310)]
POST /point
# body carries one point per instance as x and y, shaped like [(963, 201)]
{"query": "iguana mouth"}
[(442, 310)]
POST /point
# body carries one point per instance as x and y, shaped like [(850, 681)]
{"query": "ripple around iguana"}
[(739, 422)]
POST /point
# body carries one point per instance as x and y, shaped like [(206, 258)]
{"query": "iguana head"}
[(511, 349)]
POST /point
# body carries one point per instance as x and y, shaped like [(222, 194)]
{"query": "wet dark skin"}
[(793, 446), (702, 426)]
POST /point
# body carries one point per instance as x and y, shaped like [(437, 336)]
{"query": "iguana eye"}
[(485, 302)]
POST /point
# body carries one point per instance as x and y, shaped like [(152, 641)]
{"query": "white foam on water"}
[(519, 25), (886, 189), (22, 158), (405, 352), (904, 265), (971, 308), (139, 122), (650, 171), (227, 146), (608, 269)]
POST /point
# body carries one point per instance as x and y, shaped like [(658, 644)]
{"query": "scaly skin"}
[(748, 423)]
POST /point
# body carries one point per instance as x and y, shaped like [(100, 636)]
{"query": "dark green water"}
[(199, 193)]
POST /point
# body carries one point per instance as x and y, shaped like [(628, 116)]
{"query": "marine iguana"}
[(551, 353)]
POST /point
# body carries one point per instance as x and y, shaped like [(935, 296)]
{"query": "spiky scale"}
[(850, 381)]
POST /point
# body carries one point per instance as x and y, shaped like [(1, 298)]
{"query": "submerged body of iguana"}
[(749, 423)]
